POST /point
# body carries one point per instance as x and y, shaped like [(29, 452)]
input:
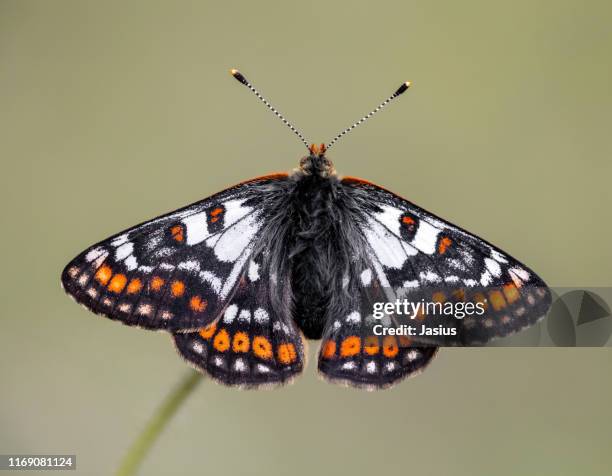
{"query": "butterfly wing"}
[(255, 342), (178, 271), (352, 353), (405, 252), (418, 256)]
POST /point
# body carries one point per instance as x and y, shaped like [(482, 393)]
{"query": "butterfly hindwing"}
[(253, 343), (353, 353), (420, 257), (175, 272)]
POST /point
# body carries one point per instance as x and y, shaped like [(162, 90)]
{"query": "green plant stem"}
[(141, 446)]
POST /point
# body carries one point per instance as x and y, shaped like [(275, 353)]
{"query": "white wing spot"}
[(486, 278), (189, 265), (121, 239), (371, 367), (83, 279), (73, 271), (366, 277), (234, 211), (124, 250), (518, 275), (493, 267), (497, 256), (350, 365), (245, 315), (130, 263), (145, 309), (353, 317), (95, 254), (430, 276), (230, 314), (239, 365), (387, 247), (260, 315), (196, 227), (235, 239), (390, 218), (253, 271), (390, 366), (426, 237)]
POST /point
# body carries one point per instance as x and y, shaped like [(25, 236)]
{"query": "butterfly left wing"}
[(178, 271), (254, 343), (418, 256)]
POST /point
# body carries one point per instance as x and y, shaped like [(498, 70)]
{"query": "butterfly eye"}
[(409, 225)]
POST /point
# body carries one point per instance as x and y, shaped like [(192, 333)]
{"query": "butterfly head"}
[(316, 163)]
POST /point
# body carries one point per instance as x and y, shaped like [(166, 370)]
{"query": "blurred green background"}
[(114, 112)]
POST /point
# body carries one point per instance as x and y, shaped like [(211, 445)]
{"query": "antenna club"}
[(238, 75), (403, 88)]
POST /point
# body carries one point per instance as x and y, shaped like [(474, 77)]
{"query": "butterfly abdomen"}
[(317, 254)]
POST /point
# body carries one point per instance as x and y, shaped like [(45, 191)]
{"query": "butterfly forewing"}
[(175, 272), (419, 257)]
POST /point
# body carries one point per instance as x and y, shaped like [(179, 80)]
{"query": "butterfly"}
[(243, 278)]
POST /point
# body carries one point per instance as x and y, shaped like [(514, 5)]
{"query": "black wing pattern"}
[(176, 272)]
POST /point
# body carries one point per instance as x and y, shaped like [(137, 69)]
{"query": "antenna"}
[(238, 75), (399, 91)]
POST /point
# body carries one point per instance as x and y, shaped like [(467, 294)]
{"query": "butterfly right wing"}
[(178, 271)]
